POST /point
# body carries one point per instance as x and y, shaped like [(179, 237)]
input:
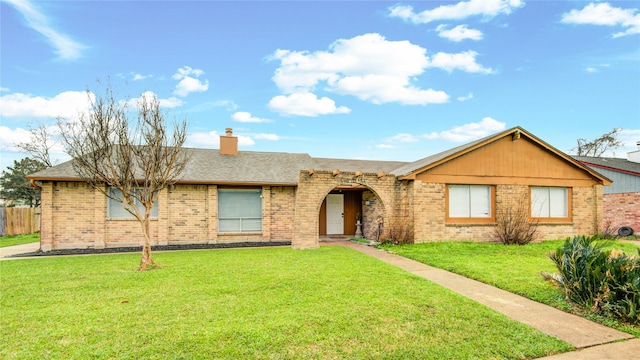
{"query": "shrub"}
[(608, 232), (512, 222), (605, 282), (400, 231)]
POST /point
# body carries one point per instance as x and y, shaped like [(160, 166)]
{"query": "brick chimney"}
[(228, 143)]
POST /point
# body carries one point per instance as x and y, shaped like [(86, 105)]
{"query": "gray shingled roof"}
[(207, 166), (371, 166), (59, 172), (611, 163)]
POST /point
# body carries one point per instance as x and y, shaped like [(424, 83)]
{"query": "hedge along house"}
[(231, 196)]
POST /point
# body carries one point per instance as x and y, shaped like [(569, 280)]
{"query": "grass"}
[(509, 267), (360, 241), (275, 303), (12, 240)]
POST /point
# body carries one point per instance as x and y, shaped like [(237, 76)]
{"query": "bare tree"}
[(129, 158), (598, 146), (39, 145)]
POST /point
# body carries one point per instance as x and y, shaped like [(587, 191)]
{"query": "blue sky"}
[(355, 79)]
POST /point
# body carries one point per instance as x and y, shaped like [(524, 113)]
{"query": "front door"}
[(335, 214)]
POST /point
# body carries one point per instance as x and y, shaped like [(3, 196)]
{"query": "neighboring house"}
[(231, 196), (622, 199)]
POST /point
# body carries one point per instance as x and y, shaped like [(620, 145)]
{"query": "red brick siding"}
[(622, 210)]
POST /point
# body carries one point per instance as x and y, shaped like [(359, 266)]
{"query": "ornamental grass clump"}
[(603, 282)]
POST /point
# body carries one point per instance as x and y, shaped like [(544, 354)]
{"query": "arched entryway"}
[(350, 212), (325, 197), (339, 213)]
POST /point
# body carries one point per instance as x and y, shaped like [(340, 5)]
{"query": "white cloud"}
[(243, 116), (402, 137), (305, 104), (65, 104), (189, 82), (65, 47), (605, 14), (629, 139), (459, 33), (384, 146), (204, 140), (245, 141), (271, 137), (465, 61), (368, 67), (596, 68), (188, 85), (227, 104), (380, 89), (137, 77), (9, 138), (465, 98), (165, 103), (211, 140), (485, 8), (170, 102), (469, 131), (186, 71)]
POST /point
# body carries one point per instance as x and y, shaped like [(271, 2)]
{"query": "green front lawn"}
[(12, 240), (509, 267), (274, 303)]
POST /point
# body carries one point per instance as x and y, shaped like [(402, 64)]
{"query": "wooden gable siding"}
[(507, 161)]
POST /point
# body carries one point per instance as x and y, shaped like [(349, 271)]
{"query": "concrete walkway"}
[(593, 341), (19, 249)]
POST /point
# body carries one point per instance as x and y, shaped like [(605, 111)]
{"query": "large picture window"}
[(239, 210), (550, 202), (469, 203), (115, 209)]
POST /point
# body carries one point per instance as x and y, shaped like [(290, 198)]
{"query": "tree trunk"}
[(146, 260)]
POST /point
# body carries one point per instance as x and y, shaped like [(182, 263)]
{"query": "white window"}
[(239, 210), (549, 202), (470, 201), (115, 209)]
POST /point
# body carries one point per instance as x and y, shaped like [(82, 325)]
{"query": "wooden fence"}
[(16, 221)]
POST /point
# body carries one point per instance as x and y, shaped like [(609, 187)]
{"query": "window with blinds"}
[(470, 201), (549, 202), (115, 208), (239, 210)]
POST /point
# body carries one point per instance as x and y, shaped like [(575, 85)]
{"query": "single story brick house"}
[(231, 196), (621, 203)]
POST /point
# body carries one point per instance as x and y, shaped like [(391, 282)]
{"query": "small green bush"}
[(602, 281)]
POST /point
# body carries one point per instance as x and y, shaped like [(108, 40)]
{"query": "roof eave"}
[(628, 172), (180, 182), (236, 183)]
